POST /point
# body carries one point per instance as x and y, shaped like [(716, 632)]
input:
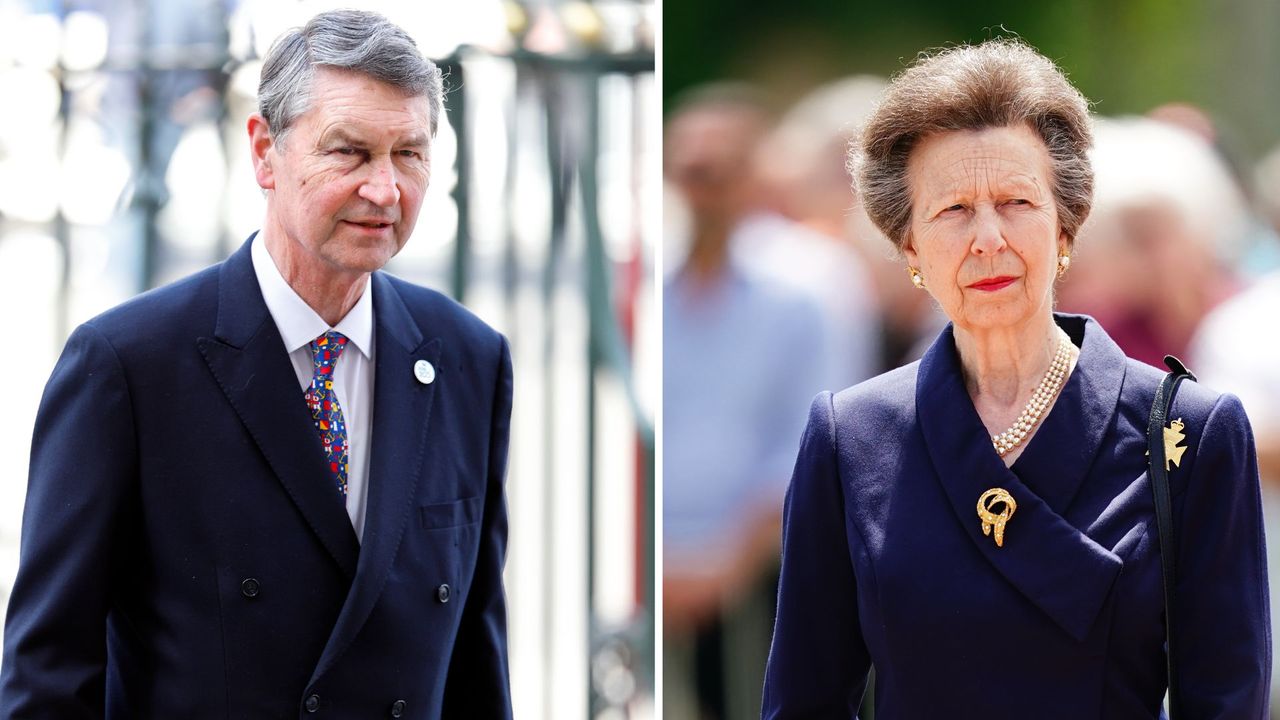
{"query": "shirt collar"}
[(297, 322)]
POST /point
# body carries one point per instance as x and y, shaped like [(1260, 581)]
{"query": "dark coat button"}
[(312, 704), (397, 708), (249, 588), (442, 593)]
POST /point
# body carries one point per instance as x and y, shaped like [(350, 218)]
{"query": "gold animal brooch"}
[(1172, 450)]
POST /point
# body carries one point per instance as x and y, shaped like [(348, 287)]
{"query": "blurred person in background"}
[(801, 236), (805, 177), (1161, 249), (1044, 600), (801, 160), (1234, 351), (276, 487), (1257, 250), (742, 356)]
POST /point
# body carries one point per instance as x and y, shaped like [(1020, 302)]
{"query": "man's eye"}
[(346, 151), (409, 153)]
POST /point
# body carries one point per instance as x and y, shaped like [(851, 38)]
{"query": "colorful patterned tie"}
[(323, 403)]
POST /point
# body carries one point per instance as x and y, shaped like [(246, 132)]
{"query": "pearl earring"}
[(916, 278), (1064, 262)]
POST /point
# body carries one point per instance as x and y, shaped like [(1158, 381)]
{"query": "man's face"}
[(707, 157), (348, 179)]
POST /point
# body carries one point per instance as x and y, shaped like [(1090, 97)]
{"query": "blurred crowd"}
[(779, 287)]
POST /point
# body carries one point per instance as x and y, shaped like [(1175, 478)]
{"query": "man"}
[(274, 488), (742, 355)]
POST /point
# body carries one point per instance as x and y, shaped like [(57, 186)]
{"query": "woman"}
[(979, 525)]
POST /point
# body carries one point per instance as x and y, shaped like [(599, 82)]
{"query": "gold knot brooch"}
[(990, 519)]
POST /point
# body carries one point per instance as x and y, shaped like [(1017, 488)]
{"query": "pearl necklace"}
[(1006, 441)]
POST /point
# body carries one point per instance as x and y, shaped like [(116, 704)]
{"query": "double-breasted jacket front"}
[(184, 554)]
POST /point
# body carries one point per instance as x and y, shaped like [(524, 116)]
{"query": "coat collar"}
[(247, 358), (401, 426), (1057, 460), (1054, 564), (297, 322)]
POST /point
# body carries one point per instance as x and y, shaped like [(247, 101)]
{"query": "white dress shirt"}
[(352, 378)]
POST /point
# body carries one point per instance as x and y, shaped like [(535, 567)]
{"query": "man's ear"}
[(262, 148)]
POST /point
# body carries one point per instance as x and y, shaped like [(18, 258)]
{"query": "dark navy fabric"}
[(183, 551), (884, 561)]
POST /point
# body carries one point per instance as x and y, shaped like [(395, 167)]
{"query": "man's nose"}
[(380, 187)]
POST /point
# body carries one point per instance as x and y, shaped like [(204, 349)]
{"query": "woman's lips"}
[(993, 284)]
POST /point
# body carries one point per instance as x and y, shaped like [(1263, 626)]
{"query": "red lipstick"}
[(992, 284)]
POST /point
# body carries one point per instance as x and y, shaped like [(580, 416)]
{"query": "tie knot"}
[(325, 351)]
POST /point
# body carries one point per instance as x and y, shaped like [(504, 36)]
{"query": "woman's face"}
[(984, 226)]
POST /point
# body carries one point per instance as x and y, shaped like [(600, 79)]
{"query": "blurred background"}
[(124, 165), (777, 286)]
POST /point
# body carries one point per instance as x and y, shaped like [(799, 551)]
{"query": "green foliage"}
[(1127, 56)]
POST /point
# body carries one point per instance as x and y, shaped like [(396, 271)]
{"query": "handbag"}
[(1164, 507)]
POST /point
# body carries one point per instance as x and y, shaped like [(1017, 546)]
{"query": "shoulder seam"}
[(834, 440), (124, 378)]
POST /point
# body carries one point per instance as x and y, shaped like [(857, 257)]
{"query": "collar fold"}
[(1048, 559)]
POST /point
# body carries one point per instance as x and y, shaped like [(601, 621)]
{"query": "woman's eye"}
[(953, 208), (1019, 201)]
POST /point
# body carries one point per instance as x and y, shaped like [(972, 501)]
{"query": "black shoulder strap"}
[(1164, 508)]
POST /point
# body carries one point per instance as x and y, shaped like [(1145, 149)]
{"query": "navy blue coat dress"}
[(184, 554), (884, 561)]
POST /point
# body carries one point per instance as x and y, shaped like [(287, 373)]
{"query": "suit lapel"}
[(1057, 461), (1051, 562), (401, 415), (247, 358)]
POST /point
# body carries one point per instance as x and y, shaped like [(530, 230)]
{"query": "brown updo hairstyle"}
[(999, 83)]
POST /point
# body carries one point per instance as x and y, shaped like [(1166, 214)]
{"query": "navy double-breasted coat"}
[(885, 562), (185, 556)]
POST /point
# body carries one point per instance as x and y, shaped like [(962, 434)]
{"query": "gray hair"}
[(1000, 83), (357, 40)]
